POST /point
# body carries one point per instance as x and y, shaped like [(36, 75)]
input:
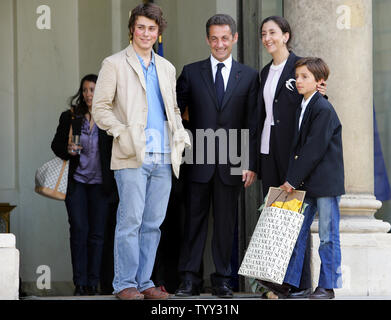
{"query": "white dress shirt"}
[(269, 92), (304, 105), (225, 71)]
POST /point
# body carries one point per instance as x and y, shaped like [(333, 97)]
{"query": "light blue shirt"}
[(157, 126)]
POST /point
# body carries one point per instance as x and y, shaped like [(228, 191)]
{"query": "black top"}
[(316, 162), (60, 148), (286, 101)]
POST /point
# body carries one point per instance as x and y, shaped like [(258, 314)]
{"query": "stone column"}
[(9, 267), (340, 32)]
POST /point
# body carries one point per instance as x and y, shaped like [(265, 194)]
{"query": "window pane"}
[(269, 8), (382, 85)]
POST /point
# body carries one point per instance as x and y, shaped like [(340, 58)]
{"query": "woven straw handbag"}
[(51, 179)]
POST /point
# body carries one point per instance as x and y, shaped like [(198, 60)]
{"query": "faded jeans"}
[(144, 194), (329, 250)]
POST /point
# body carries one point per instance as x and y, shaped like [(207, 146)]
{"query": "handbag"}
[(274, 237), (51, 179)]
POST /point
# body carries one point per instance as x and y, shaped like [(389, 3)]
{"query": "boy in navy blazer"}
[(316, 166)]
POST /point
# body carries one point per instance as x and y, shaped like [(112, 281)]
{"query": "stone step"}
[(205, 296)]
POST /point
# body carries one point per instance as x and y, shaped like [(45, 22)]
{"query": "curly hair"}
[(150, 11)]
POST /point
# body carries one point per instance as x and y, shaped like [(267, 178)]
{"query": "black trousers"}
[(224, 200), (273, 174), (87, 207), (107, 265)]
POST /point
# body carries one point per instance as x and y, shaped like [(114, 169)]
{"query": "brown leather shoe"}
[(155, 293), (129, 294)]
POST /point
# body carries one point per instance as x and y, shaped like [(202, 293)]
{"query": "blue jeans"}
[(144, 194), (329, 250)]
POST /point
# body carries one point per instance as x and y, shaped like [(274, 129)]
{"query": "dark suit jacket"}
[(285, 105), (195, 89), (60, 148), (316, 161)]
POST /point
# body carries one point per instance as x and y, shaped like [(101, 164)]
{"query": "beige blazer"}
[(120, 107)]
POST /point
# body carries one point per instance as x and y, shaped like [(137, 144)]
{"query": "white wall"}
[(47, 72), (185, 37), (39, 71), (7, 119)]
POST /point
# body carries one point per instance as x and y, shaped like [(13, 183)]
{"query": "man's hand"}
[(248, 178), (287, 187)]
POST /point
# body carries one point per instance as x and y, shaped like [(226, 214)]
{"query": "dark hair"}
[(150, 11), (220, 20), (316, 66), (76, 102), (282, 23)]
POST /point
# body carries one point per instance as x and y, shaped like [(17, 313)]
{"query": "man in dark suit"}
[(221, 97)]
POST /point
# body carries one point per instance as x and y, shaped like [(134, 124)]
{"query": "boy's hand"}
[(287, 187)]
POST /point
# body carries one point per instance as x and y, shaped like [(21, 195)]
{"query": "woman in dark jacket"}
[(91, 191), (279, 100)]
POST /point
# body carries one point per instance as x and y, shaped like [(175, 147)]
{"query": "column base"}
[(357, 224), (366, 261), (9, 268), (358, 215)]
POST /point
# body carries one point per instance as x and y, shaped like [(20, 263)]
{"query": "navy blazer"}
[(286, 101), (316, 161), (196, 90)]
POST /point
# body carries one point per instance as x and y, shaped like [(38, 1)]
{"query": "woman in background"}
[(91, 189)]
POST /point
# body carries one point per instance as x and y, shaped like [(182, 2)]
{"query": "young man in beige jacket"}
[(135, 102)]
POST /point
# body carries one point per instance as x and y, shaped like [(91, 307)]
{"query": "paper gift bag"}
[(271, 245)]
